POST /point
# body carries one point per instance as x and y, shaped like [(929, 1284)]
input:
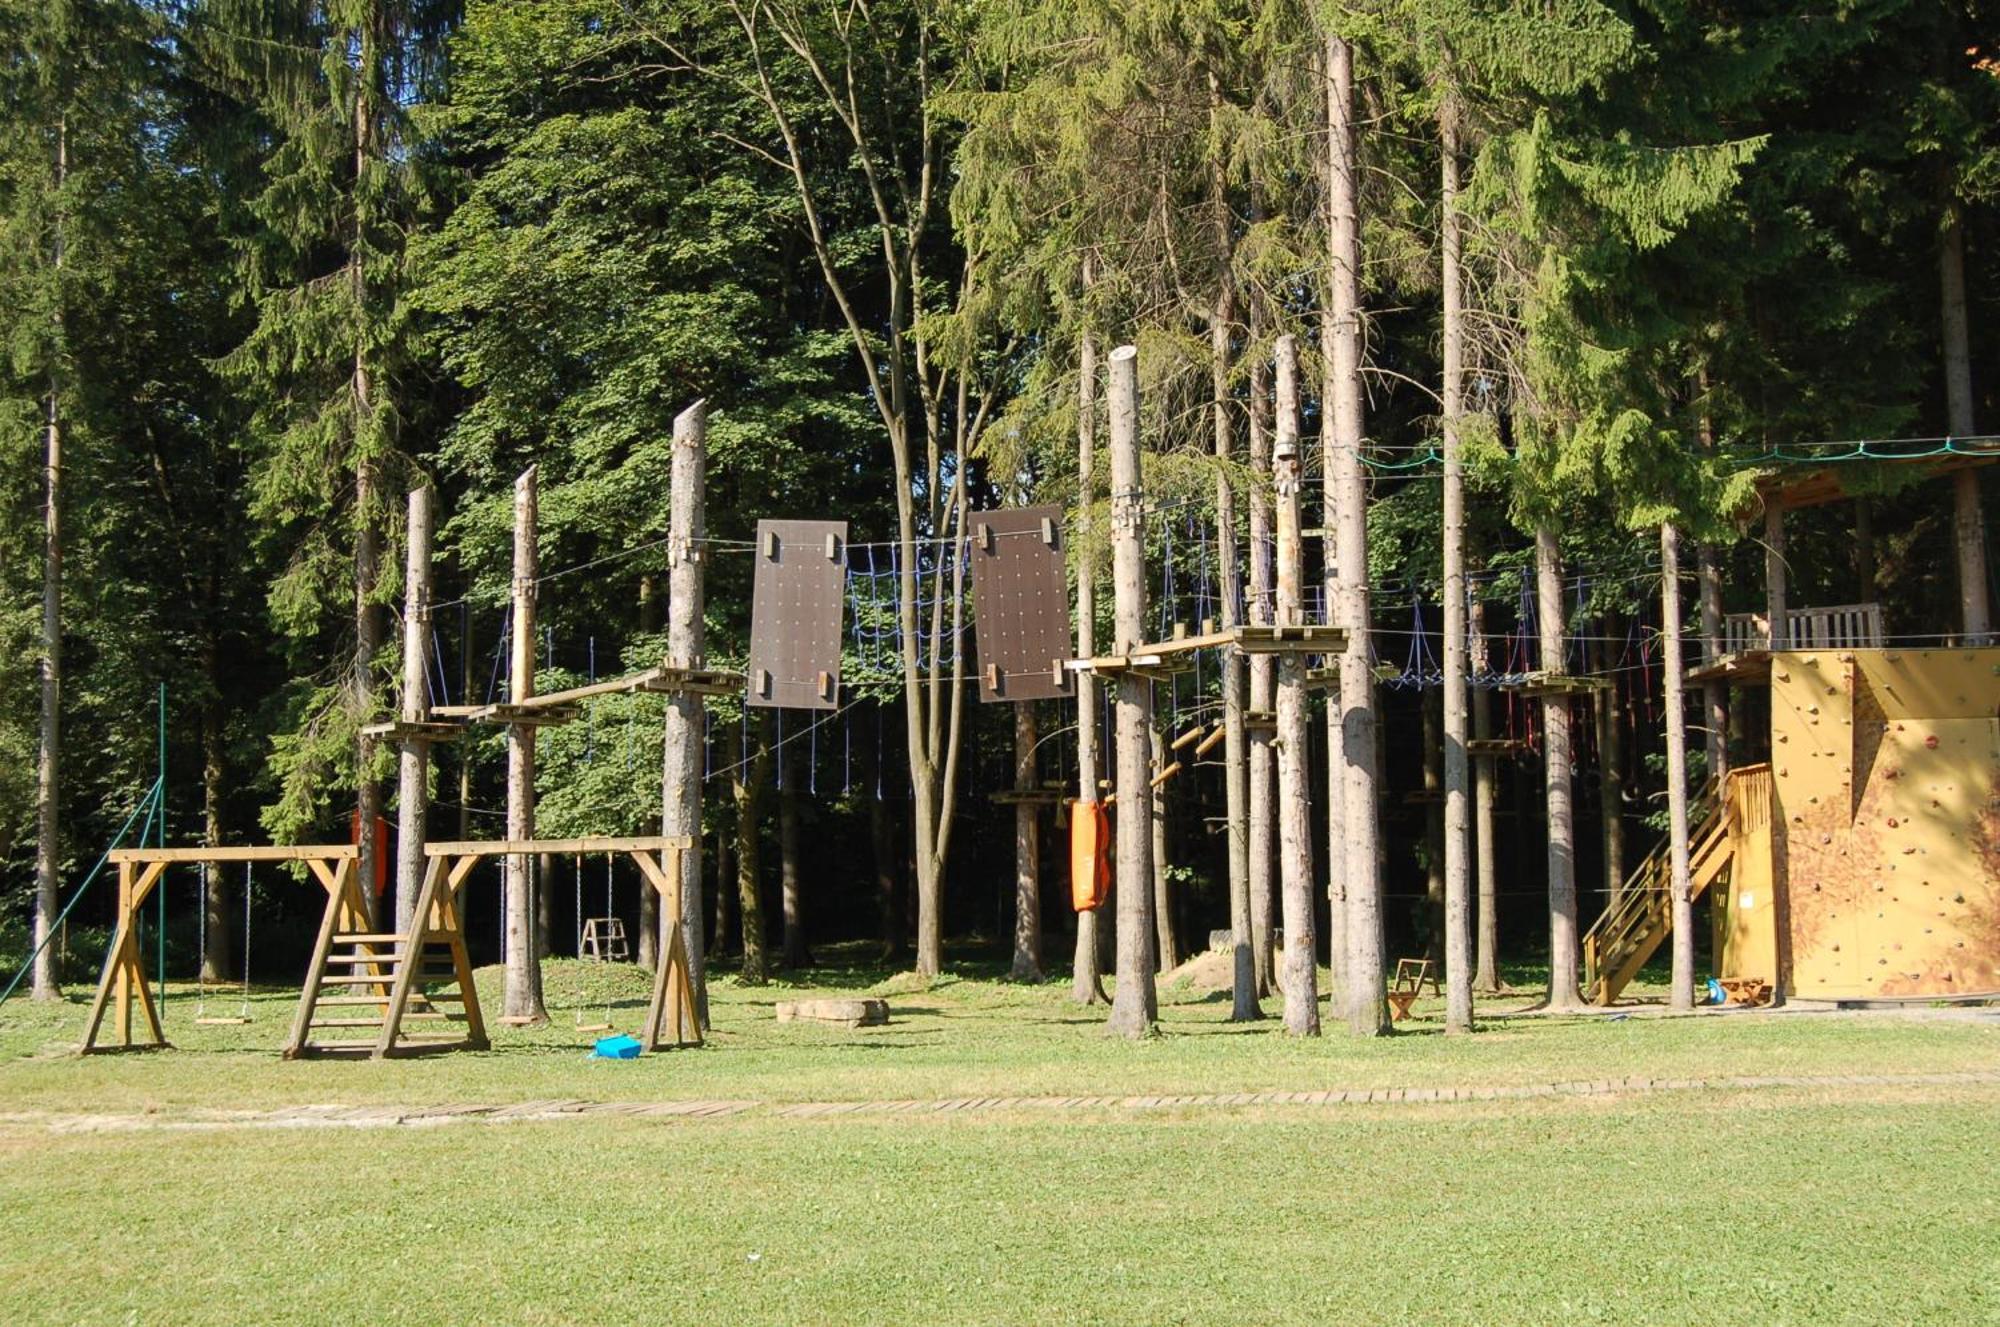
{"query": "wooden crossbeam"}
[(528, 847), (1249, 639), (323, 852)]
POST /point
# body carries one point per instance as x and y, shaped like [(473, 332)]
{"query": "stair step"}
[(367, 938), (346, 1023), (361, 960)]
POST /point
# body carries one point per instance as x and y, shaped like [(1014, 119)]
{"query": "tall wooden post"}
[(1086, 983), (1235, 678), (413, 797), (1457, 903), (1681, 995), (1558, 776), (1263, 852), (680, 774), (1134, 1005), (524, 972), (1298, 974)]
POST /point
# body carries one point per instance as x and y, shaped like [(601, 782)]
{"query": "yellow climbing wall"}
[(1886, 782)]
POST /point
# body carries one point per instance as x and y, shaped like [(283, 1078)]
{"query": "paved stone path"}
[(365, 1117)]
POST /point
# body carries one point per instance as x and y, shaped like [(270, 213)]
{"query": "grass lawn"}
[(1835, 1204)]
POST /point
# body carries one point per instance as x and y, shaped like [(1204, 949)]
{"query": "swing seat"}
[(220, 1020), (593, 1027)]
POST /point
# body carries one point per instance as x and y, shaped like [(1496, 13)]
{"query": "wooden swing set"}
[(390, 979)]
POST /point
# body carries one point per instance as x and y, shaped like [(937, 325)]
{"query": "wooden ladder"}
[(390, 980)]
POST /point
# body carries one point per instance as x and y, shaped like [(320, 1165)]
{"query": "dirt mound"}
[(1210, 970)]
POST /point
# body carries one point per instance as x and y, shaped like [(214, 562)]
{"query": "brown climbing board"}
[(1020, 603), (795, 614)]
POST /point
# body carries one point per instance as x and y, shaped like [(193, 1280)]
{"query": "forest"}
[(1563, 279)]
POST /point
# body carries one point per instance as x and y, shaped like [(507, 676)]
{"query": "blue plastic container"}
[(616, 1048)]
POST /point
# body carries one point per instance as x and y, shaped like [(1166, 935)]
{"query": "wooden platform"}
[(1545, 683), (1029, 797), (1751, 668)]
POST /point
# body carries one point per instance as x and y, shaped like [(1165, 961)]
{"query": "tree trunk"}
[(1298, 974), (1166, 950), (1486, 975), (545, 900), (882, 842), (1864, 550), (1263, 682), (725, 875), (1559, 778), (789, 865), (48, 759), (1086, 979), (1610, 775), (1715, 697), (1456, 829), (1362, 982), (413, 788), (1432, 723), (1027, 853), (1774, 575), (1234, 680), (1134, 1005), (1968, 513), (216, 962), (367, 514), (524, 971), (686, 716), (748, 781), (1682, 995)]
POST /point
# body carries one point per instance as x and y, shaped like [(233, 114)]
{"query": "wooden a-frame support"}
[(671, 1020), (139, 871)]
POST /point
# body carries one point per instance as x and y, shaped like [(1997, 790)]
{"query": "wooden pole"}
[(680, 774), (1558, 777), (1298, 974), (524, 971), (1086, 981), (1681, 995), (1457, 903), (413, 762), (1134, 1005)]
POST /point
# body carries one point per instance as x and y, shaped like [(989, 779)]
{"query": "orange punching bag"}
[(1089, 855)]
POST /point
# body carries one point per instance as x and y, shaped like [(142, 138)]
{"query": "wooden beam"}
[(530, 847), (254, 853)]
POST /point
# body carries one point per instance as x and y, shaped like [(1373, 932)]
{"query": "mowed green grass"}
[(1835, 1204), (1775, 1207), (964, 1034)]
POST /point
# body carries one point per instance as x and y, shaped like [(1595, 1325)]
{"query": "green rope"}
[(146, 804)]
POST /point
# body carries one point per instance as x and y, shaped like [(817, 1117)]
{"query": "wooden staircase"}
[(1642, 916), (364, 987)]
